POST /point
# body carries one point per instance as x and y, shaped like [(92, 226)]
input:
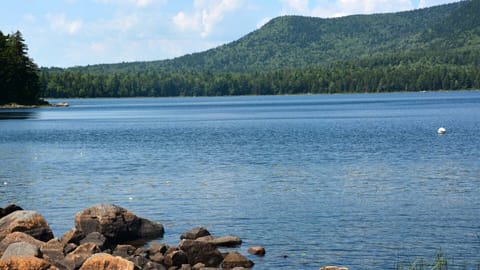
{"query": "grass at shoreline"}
[(440, 262)]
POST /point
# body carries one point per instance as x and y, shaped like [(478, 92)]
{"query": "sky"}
[(65, 33)]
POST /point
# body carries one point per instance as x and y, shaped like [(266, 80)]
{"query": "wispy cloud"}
[(60, 23), (206, 14)]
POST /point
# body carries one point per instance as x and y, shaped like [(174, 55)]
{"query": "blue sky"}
[(66, 33)]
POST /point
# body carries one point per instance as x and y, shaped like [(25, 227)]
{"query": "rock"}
[(116, 224), (139, 261), (198, 266), (30, 263), (124, 251), (157, 248), (75, 259), (97, 239), (73, 236), (18, 237), (157, 257), (224, 241), (235, 259), (29, 222), (186, 267), (9, 209), (103, 261), (69, 248), (333, 268), (175, 258), (195, 233), (257, 250), (52, 251), (20, 249), (154, 266), (201, 252)]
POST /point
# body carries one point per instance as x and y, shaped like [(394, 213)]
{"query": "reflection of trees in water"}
[(16, 115)]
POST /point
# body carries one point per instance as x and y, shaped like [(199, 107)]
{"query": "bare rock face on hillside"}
[(116, 224), (29, 222)]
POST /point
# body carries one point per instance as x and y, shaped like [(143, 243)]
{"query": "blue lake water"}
[(362, 181)]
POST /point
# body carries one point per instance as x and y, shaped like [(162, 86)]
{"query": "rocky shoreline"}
[(107, 236)]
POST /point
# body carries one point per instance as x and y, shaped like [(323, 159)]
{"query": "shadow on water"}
[(15, 115)]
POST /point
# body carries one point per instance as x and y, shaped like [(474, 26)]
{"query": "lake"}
[(360, 180)]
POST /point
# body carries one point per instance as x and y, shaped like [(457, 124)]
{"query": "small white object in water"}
[(130, 198), (5, 183), (441, 130)]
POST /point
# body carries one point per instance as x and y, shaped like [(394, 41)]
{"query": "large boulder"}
[(116, 223), (104, 261), (29, 222), (201, 252)]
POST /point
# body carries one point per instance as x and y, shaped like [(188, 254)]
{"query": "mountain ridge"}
[(298, 41), (426, 49)]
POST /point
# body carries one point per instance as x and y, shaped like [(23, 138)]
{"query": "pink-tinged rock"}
[(257, 250), (104, 261), (235, 259), (30, 263), (29, 222)]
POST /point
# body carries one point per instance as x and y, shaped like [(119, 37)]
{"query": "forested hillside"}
[(19, 81), (427, 49)]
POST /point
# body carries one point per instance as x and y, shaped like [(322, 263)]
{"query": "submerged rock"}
[(29, 222)]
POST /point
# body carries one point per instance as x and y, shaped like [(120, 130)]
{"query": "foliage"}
[(19, 80), (427, 49)]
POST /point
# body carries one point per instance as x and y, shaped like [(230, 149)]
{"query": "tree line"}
[(350, 77), (19, 75)]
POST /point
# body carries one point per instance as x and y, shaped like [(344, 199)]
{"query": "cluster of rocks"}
[(109, 237)]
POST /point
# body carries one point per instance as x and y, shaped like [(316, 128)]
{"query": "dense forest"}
[(19, 79), (427, 49)]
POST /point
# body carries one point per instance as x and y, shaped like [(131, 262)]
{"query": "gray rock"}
[(201, 252), (97, 239), (195, 233), (176, 258), (21, 249)]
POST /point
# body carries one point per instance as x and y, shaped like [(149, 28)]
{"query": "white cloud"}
[(297, 7), (59, 22), (344, 7), (263, 22), (206, 14), (429, 3), (137, 3)]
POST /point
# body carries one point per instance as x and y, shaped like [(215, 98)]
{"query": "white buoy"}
[(441, 131)]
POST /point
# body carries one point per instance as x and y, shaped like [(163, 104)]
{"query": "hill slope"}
[(427, 49), (294, 41)]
